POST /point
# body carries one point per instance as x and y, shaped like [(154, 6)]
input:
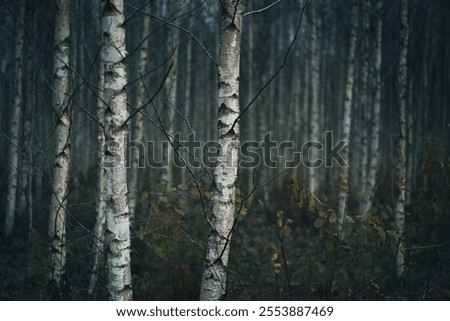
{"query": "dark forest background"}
[(285, 243)]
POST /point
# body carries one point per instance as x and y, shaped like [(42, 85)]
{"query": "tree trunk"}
[(306, 95), (13, 161), (24, 204), (315, 108), (369, 189), (362, 127), (399, 190), (139, 118), (347, 116), (187, 92), (114, 153), (250, 94), (213, 285), (98, 247), (61, 105), (171, 106)]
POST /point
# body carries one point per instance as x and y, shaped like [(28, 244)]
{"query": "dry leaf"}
[(243, 211), (277, 267), (333, 218)]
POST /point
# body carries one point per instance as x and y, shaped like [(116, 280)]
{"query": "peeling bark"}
[(61, 105), (115, 129), (213, 285)]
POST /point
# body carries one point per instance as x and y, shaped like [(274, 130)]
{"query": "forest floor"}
[(289, 251)]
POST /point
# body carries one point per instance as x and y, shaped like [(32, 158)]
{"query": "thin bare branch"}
[(280, 68), (262, 10), (169, 23)]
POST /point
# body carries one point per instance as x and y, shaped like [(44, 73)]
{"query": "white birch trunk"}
[(347, 115), (315, 108), (364, 103), (13, 161), (213, 285), (61, 104), (399, 192), (115, 129), (369, 189)]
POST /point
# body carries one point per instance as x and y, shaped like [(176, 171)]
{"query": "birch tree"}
[(115, 130), (361, 156), (347, 116), (399, 191), (25, 196), (139, 118), (315, 108), (100, 219), (61, 164), (98, 246), (214, 276), (188, 89), (13, 161), (171, 91), (370, 181)]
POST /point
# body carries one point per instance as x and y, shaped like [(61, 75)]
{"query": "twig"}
[(277, 71), (262, 10), (169, 23)]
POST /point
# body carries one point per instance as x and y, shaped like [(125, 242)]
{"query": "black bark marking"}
[(109, 9), (221, 125), (224, 110)]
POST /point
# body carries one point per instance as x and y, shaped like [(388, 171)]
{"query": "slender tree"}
[(136, 162), (114, 153), (361, 155), (171, 91), (13, 161), (24, 204), (347, 115), (250, 94), (61, 105), (100, 219), (315, 79), (213, 285), (399, 191), (188, 88), (370, 181), (98, 246)]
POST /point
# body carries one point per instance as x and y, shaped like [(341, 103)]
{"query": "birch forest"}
[(225, 150)]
